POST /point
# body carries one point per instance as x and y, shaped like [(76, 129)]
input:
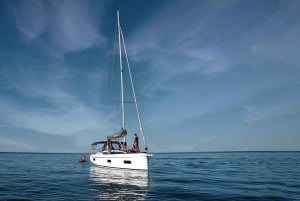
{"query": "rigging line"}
[(133, 91), (114, 101)]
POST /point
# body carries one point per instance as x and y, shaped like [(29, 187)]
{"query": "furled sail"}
[(121, 133)]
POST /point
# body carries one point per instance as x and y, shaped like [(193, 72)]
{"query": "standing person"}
[(136, 143)]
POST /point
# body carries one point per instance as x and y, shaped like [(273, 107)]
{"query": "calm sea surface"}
[(176, 176)]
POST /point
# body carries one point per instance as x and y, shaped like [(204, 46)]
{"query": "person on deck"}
[(124, 146), (135, 146)]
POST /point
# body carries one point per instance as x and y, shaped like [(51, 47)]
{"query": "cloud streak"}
[(68, 25), (278, 107), (45, 101), (209, 39)]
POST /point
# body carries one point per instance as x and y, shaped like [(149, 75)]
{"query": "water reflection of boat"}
[(120, 184), (119, 176)]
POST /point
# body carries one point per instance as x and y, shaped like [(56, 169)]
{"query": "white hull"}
[(137, 161)]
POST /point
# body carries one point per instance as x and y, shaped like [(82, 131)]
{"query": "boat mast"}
[(121, 77)]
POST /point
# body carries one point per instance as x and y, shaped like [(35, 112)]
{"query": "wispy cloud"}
[(278, 107), (31, 19), (45, 101), (15, 139), (207, 38), (67, 25)]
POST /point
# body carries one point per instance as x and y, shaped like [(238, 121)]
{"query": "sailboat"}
[(113, 151)]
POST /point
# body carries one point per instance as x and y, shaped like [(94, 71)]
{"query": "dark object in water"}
[(82, 159)]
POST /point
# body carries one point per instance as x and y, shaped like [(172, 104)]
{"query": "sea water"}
[(172, 176)]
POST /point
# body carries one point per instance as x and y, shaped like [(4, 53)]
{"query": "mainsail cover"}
[(121, 133)]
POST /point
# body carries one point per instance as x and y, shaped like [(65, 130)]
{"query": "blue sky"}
[(210, 75)]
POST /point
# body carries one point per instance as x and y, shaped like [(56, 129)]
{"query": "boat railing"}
[(103, 149), (94, 150)]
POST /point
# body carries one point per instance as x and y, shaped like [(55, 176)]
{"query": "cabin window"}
[(109, 161), (127, 162), (94, 159)]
